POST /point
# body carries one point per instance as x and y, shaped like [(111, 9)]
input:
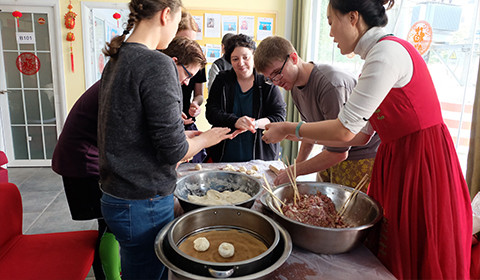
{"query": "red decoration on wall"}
[(41, 21), (17, 15), (70, 24), (28, 63), (117, 16), (420, 36)]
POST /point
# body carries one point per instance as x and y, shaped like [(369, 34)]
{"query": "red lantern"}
[(117, 16), (17, 15), (70, 37)]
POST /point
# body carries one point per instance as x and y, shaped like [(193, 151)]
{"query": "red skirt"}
[(427, 230)]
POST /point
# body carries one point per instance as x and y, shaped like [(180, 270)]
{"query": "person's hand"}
[(194, 109), (236, 132), (215, 135), (282, 178), (186, 120), (246, 123), (192, 133), (275, 132), (292, 138)]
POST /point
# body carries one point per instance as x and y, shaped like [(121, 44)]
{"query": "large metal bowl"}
[(264, 228), (198, 183), (363, 213)]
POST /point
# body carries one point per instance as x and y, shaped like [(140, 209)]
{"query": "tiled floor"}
[(45, 207)]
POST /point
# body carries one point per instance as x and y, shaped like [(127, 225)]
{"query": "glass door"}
[(27, 85)]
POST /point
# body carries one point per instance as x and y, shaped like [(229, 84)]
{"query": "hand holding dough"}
[(226, 249), (201, 244)]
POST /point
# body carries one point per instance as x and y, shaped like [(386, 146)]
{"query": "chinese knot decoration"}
[(70, 24), (17, 15), (117, 16)]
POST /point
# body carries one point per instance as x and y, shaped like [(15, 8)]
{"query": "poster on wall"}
[(265, 28), (246, 25), (99, 57), (229, 25), (213, 52), (199, 22), (212, 25)]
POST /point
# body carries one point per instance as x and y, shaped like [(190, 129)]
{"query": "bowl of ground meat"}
[(313, 220)]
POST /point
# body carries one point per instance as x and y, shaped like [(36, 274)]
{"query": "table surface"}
[(359, 263)]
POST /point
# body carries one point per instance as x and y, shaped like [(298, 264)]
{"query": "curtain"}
[(300, 34), (473, 162)]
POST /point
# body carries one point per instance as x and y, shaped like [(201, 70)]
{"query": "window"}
[(452, 58)]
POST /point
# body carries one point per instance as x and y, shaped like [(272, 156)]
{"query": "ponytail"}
[(139, 10)]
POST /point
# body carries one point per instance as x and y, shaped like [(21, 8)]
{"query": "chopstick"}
[(269, 190), (353, 195), (293, 180)]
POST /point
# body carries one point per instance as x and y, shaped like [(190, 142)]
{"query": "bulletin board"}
[(256, 15), (260, 19)]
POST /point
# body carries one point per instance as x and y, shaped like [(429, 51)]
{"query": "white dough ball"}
[(226, 249), (198, 167), (201, 244)]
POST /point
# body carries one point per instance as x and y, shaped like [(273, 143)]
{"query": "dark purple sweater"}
[(76, 152)]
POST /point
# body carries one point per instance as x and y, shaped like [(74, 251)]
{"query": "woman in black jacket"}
[(241, 99)]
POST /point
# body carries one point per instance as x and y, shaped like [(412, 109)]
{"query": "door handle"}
[(3, 91)]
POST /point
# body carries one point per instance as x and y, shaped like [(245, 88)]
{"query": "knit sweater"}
[(140, 130)]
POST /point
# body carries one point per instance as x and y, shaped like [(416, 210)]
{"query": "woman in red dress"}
[(427, 227)]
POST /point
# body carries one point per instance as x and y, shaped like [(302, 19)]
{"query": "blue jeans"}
[(135, 224)]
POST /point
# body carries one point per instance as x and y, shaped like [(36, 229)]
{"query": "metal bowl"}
[(223, 217), (363, 213), (200, 182)]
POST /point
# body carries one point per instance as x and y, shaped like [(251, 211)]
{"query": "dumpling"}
[(226, 250), (201, 244)]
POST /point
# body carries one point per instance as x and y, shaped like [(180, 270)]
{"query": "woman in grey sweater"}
[(141, 136)]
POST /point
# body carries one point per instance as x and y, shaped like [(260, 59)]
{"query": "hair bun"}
[(389, 3)]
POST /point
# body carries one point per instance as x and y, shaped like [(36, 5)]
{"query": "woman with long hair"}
[(141, 136)]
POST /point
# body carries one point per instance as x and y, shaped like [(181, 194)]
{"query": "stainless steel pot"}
[(223, 217), (198, 183), (363, 213)]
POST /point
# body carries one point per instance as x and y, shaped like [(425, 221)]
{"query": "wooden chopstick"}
[(353, 195), (270, 191), (293, 181)]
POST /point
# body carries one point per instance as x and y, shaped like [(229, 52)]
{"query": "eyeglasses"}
[(189, 75), (277, 77)]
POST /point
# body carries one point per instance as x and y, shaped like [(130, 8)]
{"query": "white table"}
[(359, 263)]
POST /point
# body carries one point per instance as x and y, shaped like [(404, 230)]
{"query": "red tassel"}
[(18, 23), (71, 59)]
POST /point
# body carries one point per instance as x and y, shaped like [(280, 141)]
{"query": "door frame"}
[(55, 25), (86, 7)]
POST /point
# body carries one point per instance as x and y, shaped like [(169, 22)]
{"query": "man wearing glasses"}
[(318, 91)]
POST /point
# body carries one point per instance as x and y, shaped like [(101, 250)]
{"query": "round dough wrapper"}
[(226, 250), (201, 244)]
